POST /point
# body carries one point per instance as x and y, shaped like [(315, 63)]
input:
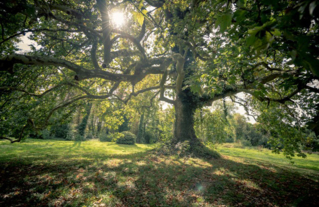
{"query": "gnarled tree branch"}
[(7, 62)]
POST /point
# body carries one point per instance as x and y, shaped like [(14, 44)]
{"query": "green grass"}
[(265, 155), (91, 173), (35, 149)]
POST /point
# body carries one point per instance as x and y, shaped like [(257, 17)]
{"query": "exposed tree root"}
[(184, 149)]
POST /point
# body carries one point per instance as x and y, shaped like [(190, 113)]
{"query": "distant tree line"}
[(112, 121)]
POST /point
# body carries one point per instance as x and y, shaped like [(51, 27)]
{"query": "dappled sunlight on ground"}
[(247, 184), (114, 163), (141, 178)]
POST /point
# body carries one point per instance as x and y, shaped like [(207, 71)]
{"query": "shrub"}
[(315, 146), (106, 138), (263, 141), (78, 137), (60, 131), (229, 139), (311, 142), (246, 143), (35, 135), (46, 134), (69, 135), (89, 136), (150, 137), (128, 138)]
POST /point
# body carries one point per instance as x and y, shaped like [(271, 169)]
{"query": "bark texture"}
[(184, 118), (186, 104)]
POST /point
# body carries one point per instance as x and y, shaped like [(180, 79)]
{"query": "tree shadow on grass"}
[(144, 179), (76, 144)]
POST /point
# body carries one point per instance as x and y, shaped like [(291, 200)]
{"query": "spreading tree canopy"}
[(203, 51)]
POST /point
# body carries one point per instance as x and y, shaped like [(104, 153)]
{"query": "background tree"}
[(82, 126), (214, 124)]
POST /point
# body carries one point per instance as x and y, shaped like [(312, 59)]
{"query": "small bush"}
[(106, 138), (60, 131), (35, 135), (246, 143), (78, 137), (128, 138), (150, 137), (311, 142), (89, 136), (263, 141), (46, 134), (70, 135), (229, 140)]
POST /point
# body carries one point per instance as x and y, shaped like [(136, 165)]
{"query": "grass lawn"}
[(266, 156), (91, 173)]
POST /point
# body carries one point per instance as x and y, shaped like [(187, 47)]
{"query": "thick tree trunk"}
[(185, 106), (184, 122)]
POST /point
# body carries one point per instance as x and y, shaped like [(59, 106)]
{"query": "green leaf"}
[(195, 88), (312, 7), (224, 21), (293, 54), (267, 26), (241, 3), (250, 40), (140, 5), (144, 11), (254, 31), (239, 15), (276, 33), (139, 17), (269, 37), (302, 7), (313, 65)]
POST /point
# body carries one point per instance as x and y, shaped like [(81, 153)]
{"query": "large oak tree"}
[(202, 50)]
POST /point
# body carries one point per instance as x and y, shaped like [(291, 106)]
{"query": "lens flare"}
[(118, 19)]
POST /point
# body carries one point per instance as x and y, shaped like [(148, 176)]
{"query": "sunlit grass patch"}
[(266, 156), (60, 150), (198, 163), (247, 183), (112, 163), (141, 163)]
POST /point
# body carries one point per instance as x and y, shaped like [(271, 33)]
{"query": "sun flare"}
[(118, 18)]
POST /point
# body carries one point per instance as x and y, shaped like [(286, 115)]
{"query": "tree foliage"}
[(187, 53)]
